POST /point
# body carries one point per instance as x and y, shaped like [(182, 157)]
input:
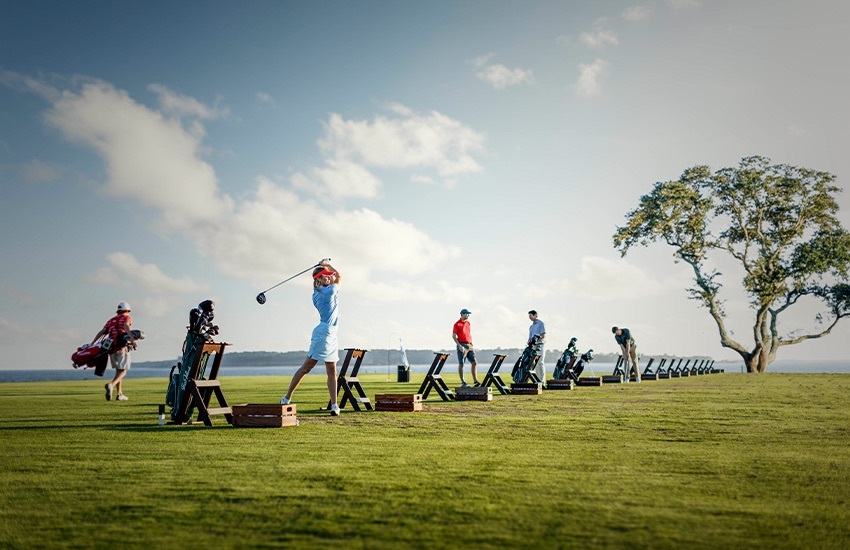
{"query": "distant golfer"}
[(119, 331), (462, 335), (538, 329), (623, 336), (323, 343)]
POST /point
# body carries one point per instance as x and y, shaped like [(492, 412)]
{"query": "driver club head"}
[(261, 298)]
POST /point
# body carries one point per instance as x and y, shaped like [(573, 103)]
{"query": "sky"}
[(444, 154)]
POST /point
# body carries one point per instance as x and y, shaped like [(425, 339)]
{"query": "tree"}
[(777, 222)]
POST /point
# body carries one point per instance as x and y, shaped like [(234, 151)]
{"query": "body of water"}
[(38, 375)]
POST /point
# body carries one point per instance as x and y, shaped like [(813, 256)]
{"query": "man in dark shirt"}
[(623, 336)]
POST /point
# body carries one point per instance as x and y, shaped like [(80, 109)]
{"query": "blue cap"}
[(465, 311)]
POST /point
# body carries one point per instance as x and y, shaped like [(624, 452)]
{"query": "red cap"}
[(325, 271)]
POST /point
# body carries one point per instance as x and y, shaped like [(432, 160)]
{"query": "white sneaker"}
[(123, 397), (284, 400), (334, 410)]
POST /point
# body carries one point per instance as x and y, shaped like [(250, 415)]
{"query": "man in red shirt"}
[(117, 328), (462, 335)]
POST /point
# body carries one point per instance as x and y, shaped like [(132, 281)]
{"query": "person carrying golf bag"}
[(323, 343), (119, 340)]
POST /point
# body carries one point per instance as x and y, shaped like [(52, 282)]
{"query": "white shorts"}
[(323, 344), (120, 360)]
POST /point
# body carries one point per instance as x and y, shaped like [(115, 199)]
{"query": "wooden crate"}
[(398, 402), (471, 393), (560, 384), (612, 379), (589, 381), (264, 416), (527, 389)]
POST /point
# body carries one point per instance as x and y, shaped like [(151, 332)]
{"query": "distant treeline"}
[(382, 357)]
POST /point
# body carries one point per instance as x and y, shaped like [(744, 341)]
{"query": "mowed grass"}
[(722, 461)]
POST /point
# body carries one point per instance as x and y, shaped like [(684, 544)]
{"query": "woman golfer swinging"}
[(323, 343)]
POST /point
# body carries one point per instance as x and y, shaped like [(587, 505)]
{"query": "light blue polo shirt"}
[(326, 300)]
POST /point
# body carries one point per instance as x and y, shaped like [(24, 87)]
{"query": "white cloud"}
[(338, 179), (409, 140), (588, 84), (155, 161), (605, 279), (125, 270), (263, 97), (419, 178), (148, 158), (298, 231), (497, 75), (154, 306), (599, 38), (680, 4), (184, 106), (500, 77), (637, 13), (481, 60), (31, 85)]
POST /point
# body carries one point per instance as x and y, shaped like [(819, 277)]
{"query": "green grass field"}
[(722, 461)]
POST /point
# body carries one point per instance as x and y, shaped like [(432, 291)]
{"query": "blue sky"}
[(444, 154)]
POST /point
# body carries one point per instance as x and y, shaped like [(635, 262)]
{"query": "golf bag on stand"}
[(578, 368), (525, 365), (566, 361), (200, 331)]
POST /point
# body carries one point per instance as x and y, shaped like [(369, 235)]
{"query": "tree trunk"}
[(756, 362)]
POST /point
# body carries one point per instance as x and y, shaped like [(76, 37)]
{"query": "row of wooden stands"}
[(492, 379), (202, 386), (670, 368)]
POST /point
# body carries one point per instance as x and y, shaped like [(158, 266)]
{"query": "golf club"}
[(261, 297)]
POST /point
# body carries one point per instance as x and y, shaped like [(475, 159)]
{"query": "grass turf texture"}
[(724, 460)]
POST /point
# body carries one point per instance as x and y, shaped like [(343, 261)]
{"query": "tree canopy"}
[(778, 222)]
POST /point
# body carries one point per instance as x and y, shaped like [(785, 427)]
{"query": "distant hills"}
[(378, 357)]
